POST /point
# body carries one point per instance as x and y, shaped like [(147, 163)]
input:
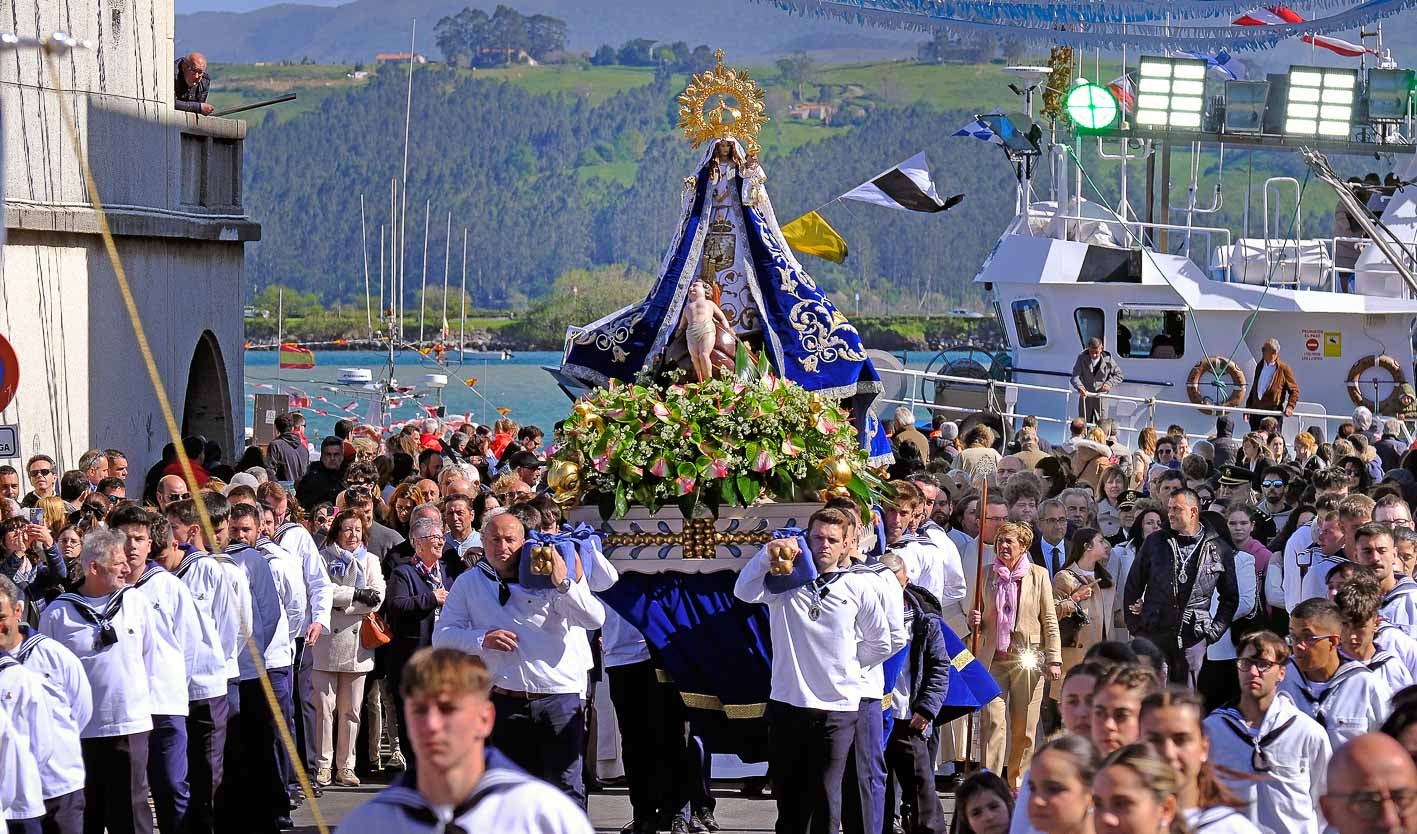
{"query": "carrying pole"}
[(978, 602)]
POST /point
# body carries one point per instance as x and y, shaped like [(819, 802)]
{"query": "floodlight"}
[(1245, 106), (1170, 92), (1389, 92), (1091, 107), (1320, 102)]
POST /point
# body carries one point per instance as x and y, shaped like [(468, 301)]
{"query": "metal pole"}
[(983, 513), (462, 328), (393, 245), (381, 271), (364, 250), (407, 120), (423, 282), (447, 254)]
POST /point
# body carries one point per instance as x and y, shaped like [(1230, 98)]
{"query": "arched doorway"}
[(206, 410)]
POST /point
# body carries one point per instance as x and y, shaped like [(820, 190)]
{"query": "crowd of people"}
[(1188, 634)]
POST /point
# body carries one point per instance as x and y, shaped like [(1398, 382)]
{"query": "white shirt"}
[(1299, 542), (290, 585), (224, 597), (1286, 799), (176, 641), (269, 625), (1224, 648), (818, 663), (26, 708), (1398, 643), (953, 586), (319, 595), (1262, 379), (621, 644), (891, 599), (118, 673), (1218, 820), (961, 540), (1399, 606), (72, 702), (1315, 584), (1054, 555), (553, 651), (1352, 702)]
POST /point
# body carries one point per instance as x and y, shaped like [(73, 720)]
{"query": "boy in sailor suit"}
[(1340, 693), (825, 634), (1357, 602), (1377, 549), (27, 714)]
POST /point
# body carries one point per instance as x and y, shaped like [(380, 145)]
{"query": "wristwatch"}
[(565, 586)]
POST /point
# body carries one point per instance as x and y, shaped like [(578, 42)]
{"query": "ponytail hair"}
[(1209, 790), (1156, 774)]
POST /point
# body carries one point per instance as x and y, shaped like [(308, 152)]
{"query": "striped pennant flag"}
[(295, 357), (1280, 14), (907, 186), (981, 131)]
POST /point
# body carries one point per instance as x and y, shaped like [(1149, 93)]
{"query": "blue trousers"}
[(167, 771), (283, 682), (64, 814), (33, 825), (116, 784), (544, 736), (206, 750), (864, 787), (810, 749)]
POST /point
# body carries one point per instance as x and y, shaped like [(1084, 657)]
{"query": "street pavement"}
[(609, 810)]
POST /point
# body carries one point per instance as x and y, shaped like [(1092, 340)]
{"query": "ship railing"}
[(1000, 393), (1133, 229)]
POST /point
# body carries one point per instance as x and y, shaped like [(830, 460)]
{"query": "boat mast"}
[(462, 327), (423, 282), (403, 221), (364, 250), (447, 255)]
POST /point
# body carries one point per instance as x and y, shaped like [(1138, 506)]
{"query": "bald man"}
[(171, 488), (192, 84), (1372, 788)]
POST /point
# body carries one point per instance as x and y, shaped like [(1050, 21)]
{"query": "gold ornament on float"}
[(543, 559), (564, 479), (722, 103), (837, 471)]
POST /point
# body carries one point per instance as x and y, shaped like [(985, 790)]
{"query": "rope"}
[(169, 418)]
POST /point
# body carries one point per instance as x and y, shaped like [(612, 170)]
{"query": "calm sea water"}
[(520, 384)]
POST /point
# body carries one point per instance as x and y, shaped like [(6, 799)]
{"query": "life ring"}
[(1210, 367), (1392, 403)]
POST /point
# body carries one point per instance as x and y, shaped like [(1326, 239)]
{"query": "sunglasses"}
[(41, 473), (179, 496), (1273, 483)]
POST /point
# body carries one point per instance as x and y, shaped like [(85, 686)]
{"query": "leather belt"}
[(521, 696)]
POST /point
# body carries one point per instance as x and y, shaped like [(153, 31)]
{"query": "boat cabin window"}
[(1028, 323), (1150, 333), (1091, 324)]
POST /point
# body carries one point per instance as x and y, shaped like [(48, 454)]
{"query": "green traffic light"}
[(1091, 106)]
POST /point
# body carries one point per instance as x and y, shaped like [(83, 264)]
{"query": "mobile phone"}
[(36, 515)]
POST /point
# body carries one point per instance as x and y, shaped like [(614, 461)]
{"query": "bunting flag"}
[(1125, 92), (907, 186), (503, 410), (811, 234), (295, 357), (298, 398), (1281, 15), (471, 382), (1219, 64), (977, 129)]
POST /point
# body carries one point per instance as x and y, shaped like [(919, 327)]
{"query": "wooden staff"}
[(978, 603)]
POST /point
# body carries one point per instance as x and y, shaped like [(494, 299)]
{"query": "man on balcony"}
[(1095, 372), (192, 83)]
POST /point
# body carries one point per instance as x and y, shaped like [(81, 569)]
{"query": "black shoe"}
[(703, 821), (753, 786), (285, 823), (679, 825)]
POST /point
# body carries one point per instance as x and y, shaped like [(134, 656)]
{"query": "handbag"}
[(373, 631)]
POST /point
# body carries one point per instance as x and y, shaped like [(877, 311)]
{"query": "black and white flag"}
[(907, 186)]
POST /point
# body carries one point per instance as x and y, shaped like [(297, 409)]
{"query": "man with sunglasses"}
[(1274, 492), (192, 84), (1346, 697), (170, 490), (1276, 753), (44, 479), (1372, 788)]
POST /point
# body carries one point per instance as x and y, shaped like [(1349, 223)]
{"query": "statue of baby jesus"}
[(700, 319)]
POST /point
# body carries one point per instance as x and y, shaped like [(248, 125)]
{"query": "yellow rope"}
[(169, 418)]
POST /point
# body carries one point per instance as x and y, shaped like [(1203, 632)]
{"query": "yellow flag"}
[(811, 234)]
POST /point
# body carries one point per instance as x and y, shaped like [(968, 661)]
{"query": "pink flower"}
[(790, 449), (718, 468), (824, 425), (686, 484), (662, 411), (764, 461), (659, 468), (602, 463)]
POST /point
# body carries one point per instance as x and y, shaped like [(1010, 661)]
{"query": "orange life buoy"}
[(1213, 367), (1392, 403)]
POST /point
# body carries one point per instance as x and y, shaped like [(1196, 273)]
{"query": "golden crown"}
[(722, 103)]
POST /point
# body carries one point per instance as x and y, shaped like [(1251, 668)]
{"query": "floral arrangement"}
[(728, 441)]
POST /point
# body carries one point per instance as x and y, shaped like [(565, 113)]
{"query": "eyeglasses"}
[(1251, 663), (428, 538), (1273, 483), (1307, 642), (41, 473), (1368, 805), (179, 496)]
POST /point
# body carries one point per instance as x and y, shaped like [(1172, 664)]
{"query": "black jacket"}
[(929, 666), (287, 458), (1177, 614), (411, 608), (1390, 451), (318, 485)]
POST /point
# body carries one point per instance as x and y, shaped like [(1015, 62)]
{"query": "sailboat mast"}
[(364, 250), (280, 328), (447, 257), (382, 227), (403, 221), (462, 327), (423, 282)]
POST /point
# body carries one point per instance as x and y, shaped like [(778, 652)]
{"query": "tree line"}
[(473, 38)]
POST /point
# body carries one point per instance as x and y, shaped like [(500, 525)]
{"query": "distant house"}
[(399, 57), (813, 110), (357, 74)]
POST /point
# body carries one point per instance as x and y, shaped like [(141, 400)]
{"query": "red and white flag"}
[(1125, 91), (1276, 15)]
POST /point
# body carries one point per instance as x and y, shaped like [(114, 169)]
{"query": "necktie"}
[(1053, 558)]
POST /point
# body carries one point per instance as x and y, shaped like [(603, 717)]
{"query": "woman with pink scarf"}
[(1018, 639)]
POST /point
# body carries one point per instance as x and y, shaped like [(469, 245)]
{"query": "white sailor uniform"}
[(1286, 758), (1352, 702)]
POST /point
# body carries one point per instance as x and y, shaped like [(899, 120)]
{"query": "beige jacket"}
[(1037, 622), (340, 650)]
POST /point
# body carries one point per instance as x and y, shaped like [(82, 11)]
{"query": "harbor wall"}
[(170, 184)]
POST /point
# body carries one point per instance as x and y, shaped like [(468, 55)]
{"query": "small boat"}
[(506, 354)]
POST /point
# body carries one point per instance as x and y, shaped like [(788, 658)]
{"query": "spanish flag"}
[(295, 357), (811, 234)]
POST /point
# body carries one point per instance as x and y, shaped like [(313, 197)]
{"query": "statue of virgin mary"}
[(728, 237)]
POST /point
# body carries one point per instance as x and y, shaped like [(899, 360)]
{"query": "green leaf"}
[(605, 501), (686, 504), (686, 470), (743, 368), (728, 493), (749, 489), (622, 501)]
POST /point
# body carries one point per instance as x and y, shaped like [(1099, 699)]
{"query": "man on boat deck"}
[(1274, 387), (1095, 372)]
